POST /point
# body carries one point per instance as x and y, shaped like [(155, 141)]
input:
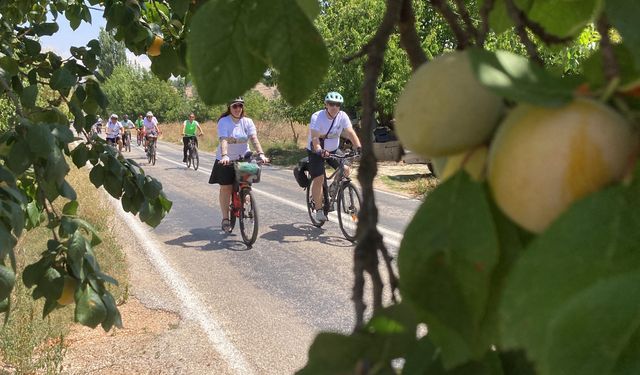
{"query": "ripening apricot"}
[(473, 161), (542, 160), (68, 291), (154, 48), (444, 110)]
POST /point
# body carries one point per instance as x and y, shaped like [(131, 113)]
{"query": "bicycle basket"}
[(247, 172), (301, 173)]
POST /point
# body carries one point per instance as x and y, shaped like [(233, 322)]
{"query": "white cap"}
[(149, 113), (113, 115)]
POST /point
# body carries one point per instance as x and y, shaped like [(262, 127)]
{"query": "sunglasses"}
[(237, 105), (332, 104)]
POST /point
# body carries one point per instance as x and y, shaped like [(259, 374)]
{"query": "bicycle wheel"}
[(189, 157), (248, 218), (139, 139), (311, 206), (128, 144), (195, 159), (149, 152), (349, 204)]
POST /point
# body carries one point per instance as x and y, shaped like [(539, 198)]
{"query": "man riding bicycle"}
[(189, 128), (127, 125), (325, 130), (151, 130)]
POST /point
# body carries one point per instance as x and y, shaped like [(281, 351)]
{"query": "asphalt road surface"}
[(260, 308)]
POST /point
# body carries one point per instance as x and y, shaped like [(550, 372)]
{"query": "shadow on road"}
[(302, 232), (210, 239)]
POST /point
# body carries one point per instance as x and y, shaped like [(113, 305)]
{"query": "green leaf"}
[(7, 281), (223, 64), (576, 264), (94, 92), (90, 310), (80, 155), (35, 271), (96, 176), (593, 67), (446, 261), (9, 65), (165, 64), (40, 140), (517, 78), (113, 185), (76, 250), (113, 315), (311, 8), (45, 28), (333, 353), (49, 285), (289, 41), (33, 214), (62, 78), (564, 17), (29, 95), (19, 158), (152, 188), (623, 15), (179, 7)]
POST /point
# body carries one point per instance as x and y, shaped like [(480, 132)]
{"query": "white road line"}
[(391, 238), (192, 307)]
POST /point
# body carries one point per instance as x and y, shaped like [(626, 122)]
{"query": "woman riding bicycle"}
[(324, 138), (189, 128), (234, 131)]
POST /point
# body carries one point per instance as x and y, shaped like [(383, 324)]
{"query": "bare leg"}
[(225, 199)]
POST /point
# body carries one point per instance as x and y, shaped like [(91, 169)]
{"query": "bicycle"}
[(192, 154), (243, 206), (344, 193), (126, 141), (139, 140), (151, 150)]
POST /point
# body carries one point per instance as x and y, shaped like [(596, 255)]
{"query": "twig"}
[(483, 30), (445, 10), (518, 18), (466, 18), (409, 37), (611, 67), (369, 239)]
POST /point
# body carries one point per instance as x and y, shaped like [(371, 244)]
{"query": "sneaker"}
[(320, 216), (184, 160)]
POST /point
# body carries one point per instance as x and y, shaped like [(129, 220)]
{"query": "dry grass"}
[(29, 343)]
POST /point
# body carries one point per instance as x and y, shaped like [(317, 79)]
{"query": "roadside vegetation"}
[(29, 343)]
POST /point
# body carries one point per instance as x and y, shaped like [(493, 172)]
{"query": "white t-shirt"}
[(149, 125), (128, 124), (237, 135), (113, 129), (321, 123)]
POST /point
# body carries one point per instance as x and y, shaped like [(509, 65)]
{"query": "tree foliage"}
[(112, 53)]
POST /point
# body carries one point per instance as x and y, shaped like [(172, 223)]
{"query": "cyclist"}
[(139, 125), (189, 128), (324, 138), (234, 131), (96, 127), (150, 125), (114, 131), (127, 125)]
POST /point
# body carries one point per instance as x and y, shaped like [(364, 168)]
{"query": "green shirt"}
[(139, 123), (190, 128)]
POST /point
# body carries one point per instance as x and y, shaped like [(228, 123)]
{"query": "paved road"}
[(260, 307)]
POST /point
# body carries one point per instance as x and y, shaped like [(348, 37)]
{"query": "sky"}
[(65, 38)]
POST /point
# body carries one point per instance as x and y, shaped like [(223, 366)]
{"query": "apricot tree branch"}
[(369, 239), (409, 37), (445, 10), (518, 18), (466, 18), (483, 28), (611, 67)]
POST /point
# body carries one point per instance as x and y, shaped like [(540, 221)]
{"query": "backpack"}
[(301, 173)]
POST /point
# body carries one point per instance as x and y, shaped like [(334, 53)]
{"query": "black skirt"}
[(222, 174)]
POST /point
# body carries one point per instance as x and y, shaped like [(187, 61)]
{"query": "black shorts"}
[(113, 140), (222, 174), (316, 164)]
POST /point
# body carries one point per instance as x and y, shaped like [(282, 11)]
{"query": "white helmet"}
[(113, 115), (334, 96), (149, 113)]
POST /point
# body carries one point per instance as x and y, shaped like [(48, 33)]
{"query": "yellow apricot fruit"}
[(541, 160), (473, 161), (68, 291), (154, 48), (444, 110)]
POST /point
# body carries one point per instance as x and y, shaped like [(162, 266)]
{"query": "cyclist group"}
[(119, 132), (235, 130)]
